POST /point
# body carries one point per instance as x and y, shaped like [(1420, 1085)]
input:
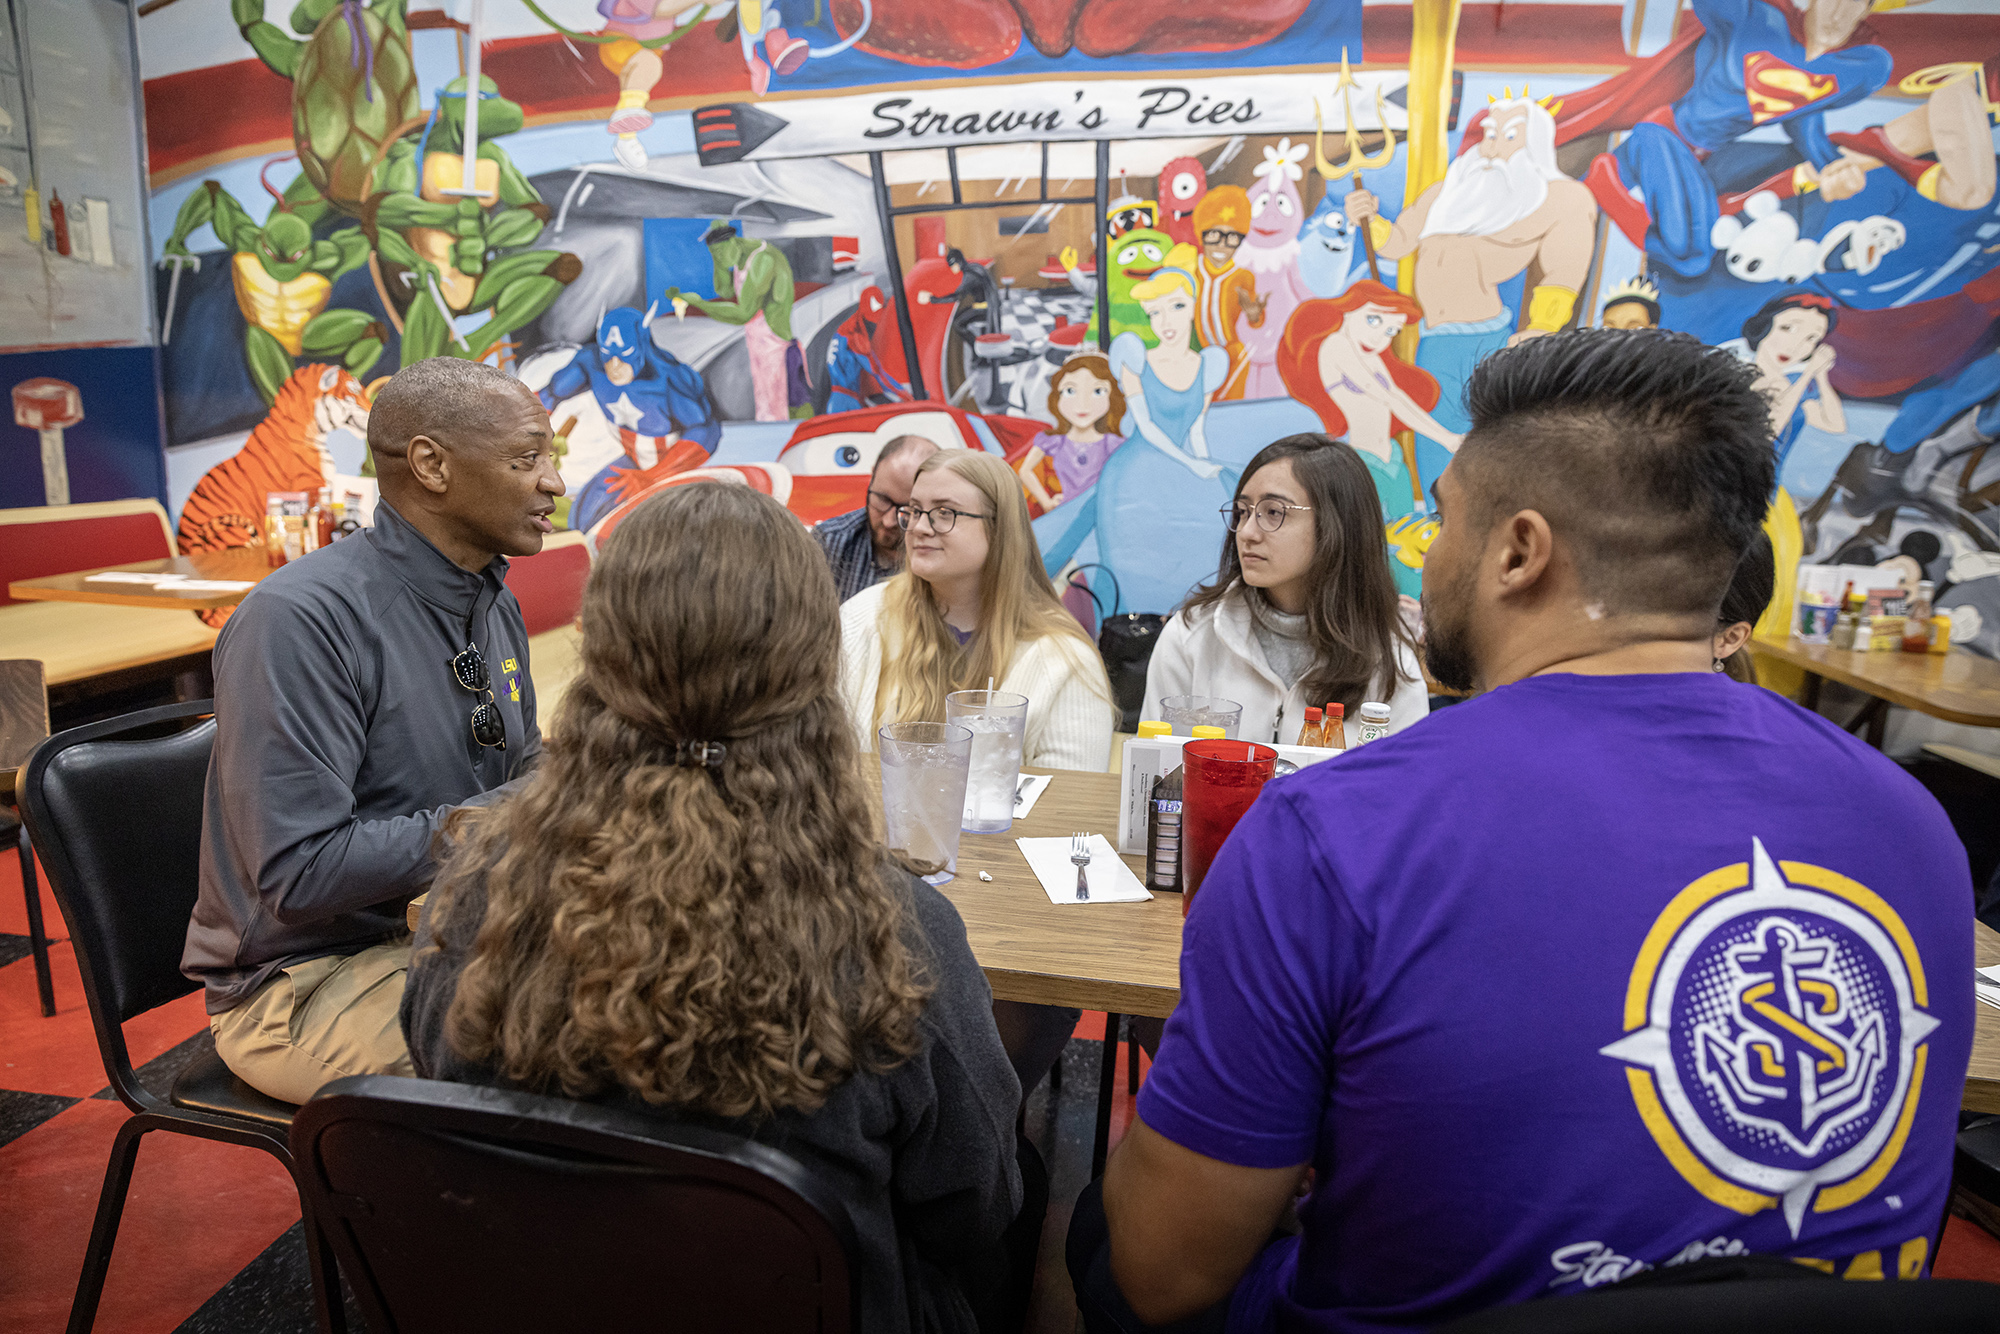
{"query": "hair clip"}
[(700, 755)]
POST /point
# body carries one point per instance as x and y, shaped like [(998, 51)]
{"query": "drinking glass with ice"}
[(924, 769), (999, 722)]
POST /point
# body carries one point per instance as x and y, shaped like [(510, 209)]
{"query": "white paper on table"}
[(212, 585), (1110, 880), (1036, 785), (132, 577), (1987, 985)]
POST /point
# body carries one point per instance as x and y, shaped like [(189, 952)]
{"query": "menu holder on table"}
[(1986, 985), (1110, 880)]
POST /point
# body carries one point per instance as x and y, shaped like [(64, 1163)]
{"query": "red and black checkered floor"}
[(210, 1241)]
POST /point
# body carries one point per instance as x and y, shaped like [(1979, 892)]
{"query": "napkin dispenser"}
[(1147, 759)]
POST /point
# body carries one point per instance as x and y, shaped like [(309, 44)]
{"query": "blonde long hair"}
[(721, 938), (921, 661)]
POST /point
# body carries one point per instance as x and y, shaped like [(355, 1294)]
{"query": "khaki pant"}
[(316, 1021)]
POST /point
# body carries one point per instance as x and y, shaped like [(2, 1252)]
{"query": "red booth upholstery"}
[(550, 585), (58, 539)]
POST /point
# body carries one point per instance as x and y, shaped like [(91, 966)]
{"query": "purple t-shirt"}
[(1077, 465), (1585, 976)]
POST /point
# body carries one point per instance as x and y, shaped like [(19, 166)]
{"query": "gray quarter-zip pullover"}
[(342, 741)]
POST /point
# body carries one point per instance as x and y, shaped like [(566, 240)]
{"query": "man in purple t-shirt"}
[(1616, 966)]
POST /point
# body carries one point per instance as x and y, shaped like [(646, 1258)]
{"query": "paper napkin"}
[(1110, 880), (1037, 784)]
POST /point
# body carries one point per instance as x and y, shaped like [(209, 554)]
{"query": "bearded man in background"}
[(1502, 207)]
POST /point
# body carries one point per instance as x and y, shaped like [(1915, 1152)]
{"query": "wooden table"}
[(1958, 687), (238, 563), (83, 641), (1982, 1078), (1123, 958)]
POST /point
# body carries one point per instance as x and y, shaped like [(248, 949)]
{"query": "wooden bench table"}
[(238, 564), (1958, 687)]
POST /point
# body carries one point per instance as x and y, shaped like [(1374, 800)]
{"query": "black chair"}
[(24, 724), (1752, 1294), (455, 1207), (1976, 1170), (115, 810)]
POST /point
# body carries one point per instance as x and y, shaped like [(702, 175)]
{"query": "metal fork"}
[(1079, 856)]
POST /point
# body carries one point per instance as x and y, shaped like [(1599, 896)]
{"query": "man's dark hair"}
[(1751, 585), (1649, 454), (718, 231), (445, 398)]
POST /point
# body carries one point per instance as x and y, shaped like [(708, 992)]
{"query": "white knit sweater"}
[(1069, 697)]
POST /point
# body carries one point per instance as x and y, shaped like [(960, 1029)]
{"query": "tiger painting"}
[(285, 452)]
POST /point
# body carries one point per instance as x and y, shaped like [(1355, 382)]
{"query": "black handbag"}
[(1126, 640)]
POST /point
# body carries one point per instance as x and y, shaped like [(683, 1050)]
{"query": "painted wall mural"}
[(1121, 244)]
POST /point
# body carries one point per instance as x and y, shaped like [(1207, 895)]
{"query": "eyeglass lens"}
[(943, 518), (1270, 515)]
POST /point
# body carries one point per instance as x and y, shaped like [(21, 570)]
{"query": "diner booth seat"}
[(460, 1208), (549, 587), (42, 540), (115, 811)]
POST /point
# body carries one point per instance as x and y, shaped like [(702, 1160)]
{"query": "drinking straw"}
[(989, 687)]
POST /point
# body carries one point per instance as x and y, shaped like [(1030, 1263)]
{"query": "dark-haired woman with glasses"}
[(1303, 610), (973, 604)]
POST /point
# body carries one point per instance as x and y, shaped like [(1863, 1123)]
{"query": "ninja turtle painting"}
[(282, 278), (452, 242), (354, 87)]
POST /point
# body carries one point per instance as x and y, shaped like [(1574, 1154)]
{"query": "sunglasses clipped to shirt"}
[(489, 728)]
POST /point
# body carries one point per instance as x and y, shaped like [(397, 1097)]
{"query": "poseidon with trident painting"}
[(1502, 207)]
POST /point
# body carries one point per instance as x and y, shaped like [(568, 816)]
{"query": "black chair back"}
[(454, 1207), (114, 809)]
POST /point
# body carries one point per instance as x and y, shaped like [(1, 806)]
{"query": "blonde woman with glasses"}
[(973, 603)]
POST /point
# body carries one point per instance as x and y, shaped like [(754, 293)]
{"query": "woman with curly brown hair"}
[(684, 910)]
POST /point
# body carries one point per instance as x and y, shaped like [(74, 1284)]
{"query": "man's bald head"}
[(451, 401), (464, 452)]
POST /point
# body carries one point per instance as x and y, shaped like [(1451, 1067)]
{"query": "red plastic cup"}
[(1222, 778)]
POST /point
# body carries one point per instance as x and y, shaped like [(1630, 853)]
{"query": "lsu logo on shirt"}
[(513, 682), (1776, 88), (1775, 1037)]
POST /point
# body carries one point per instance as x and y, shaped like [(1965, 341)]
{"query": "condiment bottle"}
[(1374, 721), (58, 223), (1844, 629), (274, 531), (1309, 735), (1335, 730), (1163, 832), (1207, 731), (1940, 634), (1917, 623), (350, 523)]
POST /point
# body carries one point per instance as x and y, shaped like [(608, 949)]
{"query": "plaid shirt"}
[(850, 551)]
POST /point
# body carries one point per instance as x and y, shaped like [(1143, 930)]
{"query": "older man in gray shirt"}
[(361, 693)]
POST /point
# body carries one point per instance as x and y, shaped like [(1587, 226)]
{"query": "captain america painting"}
[(658, 405)]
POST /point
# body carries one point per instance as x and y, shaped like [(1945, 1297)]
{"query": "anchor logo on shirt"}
[(1800, 1064)]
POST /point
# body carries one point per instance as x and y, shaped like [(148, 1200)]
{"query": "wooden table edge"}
[(26, 591), (1784, 652)]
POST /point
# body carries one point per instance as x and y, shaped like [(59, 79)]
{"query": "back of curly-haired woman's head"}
[(709, 930)]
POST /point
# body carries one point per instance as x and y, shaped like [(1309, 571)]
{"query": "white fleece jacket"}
[(1214, 651), (1069, 697)]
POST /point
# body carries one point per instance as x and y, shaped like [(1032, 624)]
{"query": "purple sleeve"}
[(1267, 963)]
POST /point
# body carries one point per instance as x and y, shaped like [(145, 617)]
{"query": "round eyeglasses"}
[(1270, 514), (943, 517)]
